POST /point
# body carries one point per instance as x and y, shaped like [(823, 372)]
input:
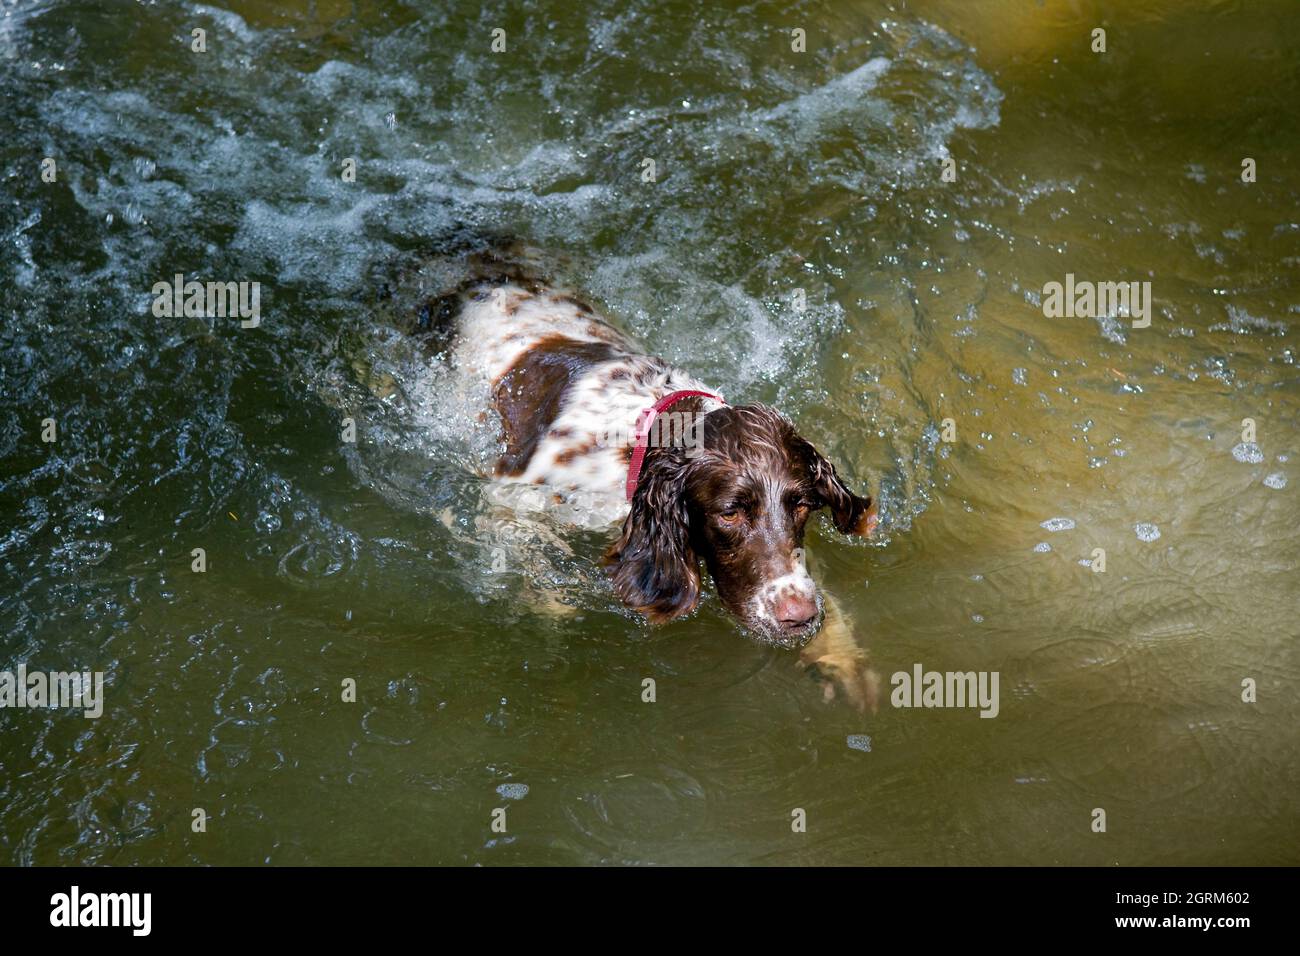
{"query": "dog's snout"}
[(795, 611)]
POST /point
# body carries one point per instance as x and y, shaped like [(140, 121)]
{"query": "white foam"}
[(1248, 453), (1146, 531)]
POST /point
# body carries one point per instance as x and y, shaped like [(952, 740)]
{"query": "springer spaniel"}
[(585, 411)]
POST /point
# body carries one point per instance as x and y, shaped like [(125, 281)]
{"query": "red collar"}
[(643, 423)]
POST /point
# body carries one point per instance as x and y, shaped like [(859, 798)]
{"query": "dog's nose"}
[(796, 611)]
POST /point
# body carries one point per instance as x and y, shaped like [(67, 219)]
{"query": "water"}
[(775, 171)]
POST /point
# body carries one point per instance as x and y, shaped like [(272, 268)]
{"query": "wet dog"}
[(585, 412)]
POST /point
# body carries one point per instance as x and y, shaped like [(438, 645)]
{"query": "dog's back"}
[(567, 385)]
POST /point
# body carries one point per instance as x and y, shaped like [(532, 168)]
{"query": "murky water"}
[(776, 171)]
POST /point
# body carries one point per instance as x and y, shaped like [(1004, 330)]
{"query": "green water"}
[(776, 171)]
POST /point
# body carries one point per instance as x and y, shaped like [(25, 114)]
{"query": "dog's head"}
[(740, 502)]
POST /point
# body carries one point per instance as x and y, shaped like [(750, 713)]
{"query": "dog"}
[(584, 412)]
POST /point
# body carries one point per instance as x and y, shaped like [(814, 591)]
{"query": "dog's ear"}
[(653, 566), (852, 513)]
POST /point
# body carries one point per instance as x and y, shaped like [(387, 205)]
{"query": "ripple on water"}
[(323, 555), (634, 817)]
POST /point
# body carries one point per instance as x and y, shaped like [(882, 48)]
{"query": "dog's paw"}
[(847, 676), (548, 605)]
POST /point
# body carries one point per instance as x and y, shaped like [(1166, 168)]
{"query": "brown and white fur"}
[(569, 388)]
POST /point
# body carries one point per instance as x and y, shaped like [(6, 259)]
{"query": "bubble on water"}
[(1146, 531), (1243, 323), (1042, 547), (1112, 330), (513, 791), (267, 523), (859, 742), (977, 618), (1019, 375), (1276, 480), (1058, 524), (1248, 453)]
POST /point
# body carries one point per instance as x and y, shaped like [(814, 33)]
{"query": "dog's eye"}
[(804, 506), (730, 516)]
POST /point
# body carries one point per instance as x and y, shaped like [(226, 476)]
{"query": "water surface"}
[(776, 171)]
